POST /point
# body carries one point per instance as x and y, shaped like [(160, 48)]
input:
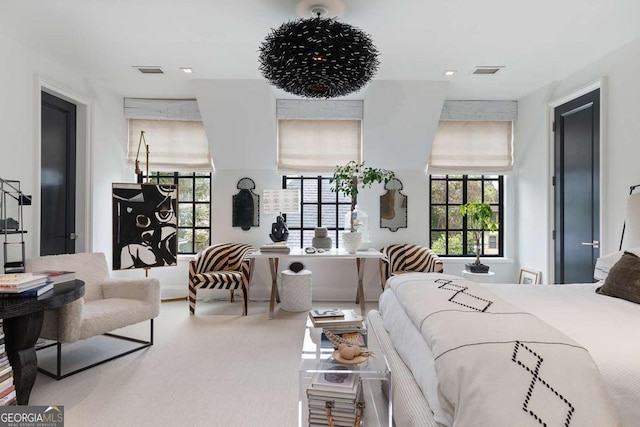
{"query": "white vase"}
[(351, 241)]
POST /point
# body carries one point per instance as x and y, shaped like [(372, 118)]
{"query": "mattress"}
[(607, 327)]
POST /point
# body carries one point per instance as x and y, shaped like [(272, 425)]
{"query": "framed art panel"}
[(529, 277), (145, 224)]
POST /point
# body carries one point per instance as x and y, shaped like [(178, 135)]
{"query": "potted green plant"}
[(479, 219), (348, 180)]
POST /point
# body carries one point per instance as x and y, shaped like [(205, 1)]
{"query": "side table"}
[(375, 374), (487, 277), (22, 319)]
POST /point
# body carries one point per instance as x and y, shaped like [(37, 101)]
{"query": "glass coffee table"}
[(374, 373)]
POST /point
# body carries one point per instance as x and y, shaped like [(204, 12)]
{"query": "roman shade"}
[(174, 132), (316, 136), (474, 137)]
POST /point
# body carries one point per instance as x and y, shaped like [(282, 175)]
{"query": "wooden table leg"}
[(20, 336), (273, 266), (360, 291)]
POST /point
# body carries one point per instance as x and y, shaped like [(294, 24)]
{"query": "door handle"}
[(73, 236), (595, 244)]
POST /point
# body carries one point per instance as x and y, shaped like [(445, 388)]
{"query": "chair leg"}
[(232, 294), (58, 375), (245, 300), (192, 300)]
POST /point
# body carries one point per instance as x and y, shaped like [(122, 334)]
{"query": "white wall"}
[(19, 138), (619, 147)]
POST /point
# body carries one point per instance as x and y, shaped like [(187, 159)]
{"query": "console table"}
[(329, 255), (22, 321)]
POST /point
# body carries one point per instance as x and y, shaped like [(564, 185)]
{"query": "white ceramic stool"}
[(296, 290)]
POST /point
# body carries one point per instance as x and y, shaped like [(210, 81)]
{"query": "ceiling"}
[(536, 41)]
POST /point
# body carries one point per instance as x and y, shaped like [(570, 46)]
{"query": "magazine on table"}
[(326, 313), (350, 319)]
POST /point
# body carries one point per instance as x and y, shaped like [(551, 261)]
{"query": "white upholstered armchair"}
[(108, 304)]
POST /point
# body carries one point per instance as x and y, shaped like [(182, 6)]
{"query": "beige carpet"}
[(216, 368)]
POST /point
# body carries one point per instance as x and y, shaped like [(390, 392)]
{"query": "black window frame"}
[(322, 182), (156, 177), (465, 179)]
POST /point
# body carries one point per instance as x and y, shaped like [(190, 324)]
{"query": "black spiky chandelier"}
[(318, 58)]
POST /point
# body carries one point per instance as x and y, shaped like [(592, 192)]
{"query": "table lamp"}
[(278, 202)]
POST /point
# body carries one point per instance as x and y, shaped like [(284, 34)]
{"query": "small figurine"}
[(279, 230)]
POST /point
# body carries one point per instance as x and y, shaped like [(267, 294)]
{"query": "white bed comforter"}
[(498, 365)]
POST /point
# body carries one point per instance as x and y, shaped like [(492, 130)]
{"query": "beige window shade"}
[(317, 146), (472, 147), (174, 145)]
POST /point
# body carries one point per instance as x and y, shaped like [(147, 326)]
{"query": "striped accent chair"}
[(406, 258), (221, 266)]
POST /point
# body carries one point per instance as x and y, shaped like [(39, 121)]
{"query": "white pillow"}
[(604, 263)]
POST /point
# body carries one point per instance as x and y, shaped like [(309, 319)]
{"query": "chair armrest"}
[(63, 324), (384, 271), (435, 263), (146, 289)]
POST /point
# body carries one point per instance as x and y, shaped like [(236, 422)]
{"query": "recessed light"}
[(449, 72), (187, 70)]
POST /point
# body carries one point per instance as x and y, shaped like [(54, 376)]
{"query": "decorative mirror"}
[(246, 205), (393, 206)]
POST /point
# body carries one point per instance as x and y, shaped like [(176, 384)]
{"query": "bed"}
[(596, 339)]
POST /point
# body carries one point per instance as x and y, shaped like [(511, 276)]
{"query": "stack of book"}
[(24, 284), (280, 248), (336, 397), (335, 319), (7, 388), (57, 276)]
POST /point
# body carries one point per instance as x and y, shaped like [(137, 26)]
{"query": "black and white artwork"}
[(145, 225), (246, 205)]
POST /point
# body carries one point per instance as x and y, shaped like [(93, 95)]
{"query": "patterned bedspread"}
[(498, 365)]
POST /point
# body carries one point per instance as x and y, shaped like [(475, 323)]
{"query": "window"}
[(194, 208), (449, 235), (319, 207)]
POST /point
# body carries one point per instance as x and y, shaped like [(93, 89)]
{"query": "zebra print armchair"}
[(221, 266), (407, 258)]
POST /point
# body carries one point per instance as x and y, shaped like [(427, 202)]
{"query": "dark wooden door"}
[(576, 191), (58, 176)]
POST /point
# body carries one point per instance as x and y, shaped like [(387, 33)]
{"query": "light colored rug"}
[(216, 368)]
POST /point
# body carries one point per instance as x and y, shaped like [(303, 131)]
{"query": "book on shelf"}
[(353, 337), (35, 282), (275, 247), (58, 276), (9, 399), (5, 377), (4, 370), (6, 383), (15, 277), (343, 412), (7, 390), (34, 291), (337, 379), (350, 319), (326, 313)]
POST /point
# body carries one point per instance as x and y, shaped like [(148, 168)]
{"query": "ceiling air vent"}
[(150, 70), (486, 70)]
